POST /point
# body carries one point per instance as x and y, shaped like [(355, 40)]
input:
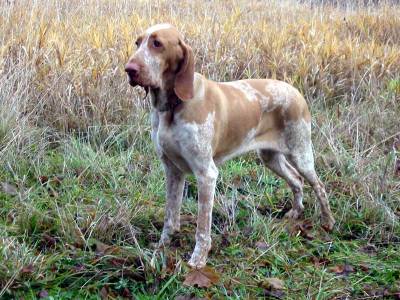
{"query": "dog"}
[(197, 124)]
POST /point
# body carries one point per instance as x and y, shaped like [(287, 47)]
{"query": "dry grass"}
[(61, 68), (61, 76)]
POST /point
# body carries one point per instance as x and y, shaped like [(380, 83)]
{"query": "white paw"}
[(199, 256), (165, 240), (197, 261)]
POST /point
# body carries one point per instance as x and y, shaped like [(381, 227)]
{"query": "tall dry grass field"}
[(77, 168)]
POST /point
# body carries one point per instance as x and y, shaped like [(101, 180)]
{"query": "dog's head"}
[(162, 60)]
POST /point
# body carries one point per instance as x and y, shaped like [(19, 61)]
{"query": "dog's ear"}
[(184, 78)]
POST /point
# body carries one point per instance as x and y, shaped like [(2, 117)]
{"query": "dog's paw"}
[(199, 257), (327, 222), (165, 240), (197, 261)]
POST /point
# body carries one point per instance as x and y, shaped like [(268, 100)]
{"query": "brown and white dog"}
[(198, 124)]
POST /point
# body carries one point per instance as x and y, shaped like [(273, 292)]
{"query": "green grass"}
[(87, 215)]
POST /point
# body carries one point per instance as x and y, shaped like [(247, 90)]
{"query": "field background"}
[(81, 195)]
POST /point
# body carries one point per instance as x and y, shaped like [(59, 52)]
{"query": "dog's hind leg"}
[(277, 162), (301, 156)]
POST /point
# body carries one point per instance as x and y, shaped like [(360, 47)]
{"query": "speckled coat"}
[(197, 124)]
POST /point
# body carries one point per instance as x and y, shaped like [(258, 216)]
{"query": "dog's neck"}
[(164, 100)]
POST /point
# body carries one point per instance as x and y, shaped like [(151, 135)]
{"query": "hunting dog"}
[(197, 124)]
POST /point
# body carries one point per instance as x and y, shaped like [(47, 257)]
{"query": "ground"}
[(82, 191)]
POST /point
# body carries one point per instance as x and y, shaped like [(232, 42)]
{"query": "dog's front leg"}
[(206, 181), (175, 181)]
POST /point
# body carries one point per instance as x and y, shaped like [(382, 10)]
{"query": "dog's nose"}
[(132, 69)]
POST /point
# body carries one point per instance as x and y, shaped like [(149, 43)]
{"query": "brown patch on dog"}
[(237, 117)]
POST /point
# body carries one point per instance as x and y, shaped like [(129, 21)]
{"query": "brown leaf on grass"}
[(376, 292), (364, 267), (104, 249), (369, 249), (342, 269), (104, 293), (43, 294), (47, 241), (107, 293), (117, 261), (261, 245), (28, 269), (272, 284), (320, 261), (237, 181), (302, 228), (43, 179), (204, 277), (126, 293), (277, 294), (9, 189)]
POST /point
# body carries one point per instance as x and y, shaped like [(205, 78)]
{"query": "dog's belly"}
[(260, 142)]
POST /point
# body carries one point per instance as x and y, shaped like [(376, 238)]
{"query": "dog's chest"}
[(173, 140)]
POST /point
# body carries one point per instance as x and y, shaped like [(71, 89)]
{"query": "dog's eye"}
[(137, 43), (157, 44)]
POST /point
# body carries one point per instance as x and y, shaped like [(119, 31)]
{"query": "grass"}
[(82, 195)]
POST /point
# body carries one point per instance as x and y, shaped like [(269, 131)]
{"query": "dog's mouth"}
[(137, 81), (132, 82)]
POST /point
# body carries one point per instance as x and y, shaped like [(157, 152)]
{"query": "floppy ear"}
[(184, 78)]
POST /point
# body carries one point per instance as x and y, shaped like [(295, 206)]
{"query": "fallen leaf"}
[(43, 179), (369, 249), (27, 269), (261, 245), (319, 261), (302, 228), (272, 284), (342, 269), (104, 249), (278, 294), (204, 277), (117, 261), (48, 241), (104, 293), (43, 294), (9, 189), (126, 293), (376, 292), (237, 181), (364, 267)]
